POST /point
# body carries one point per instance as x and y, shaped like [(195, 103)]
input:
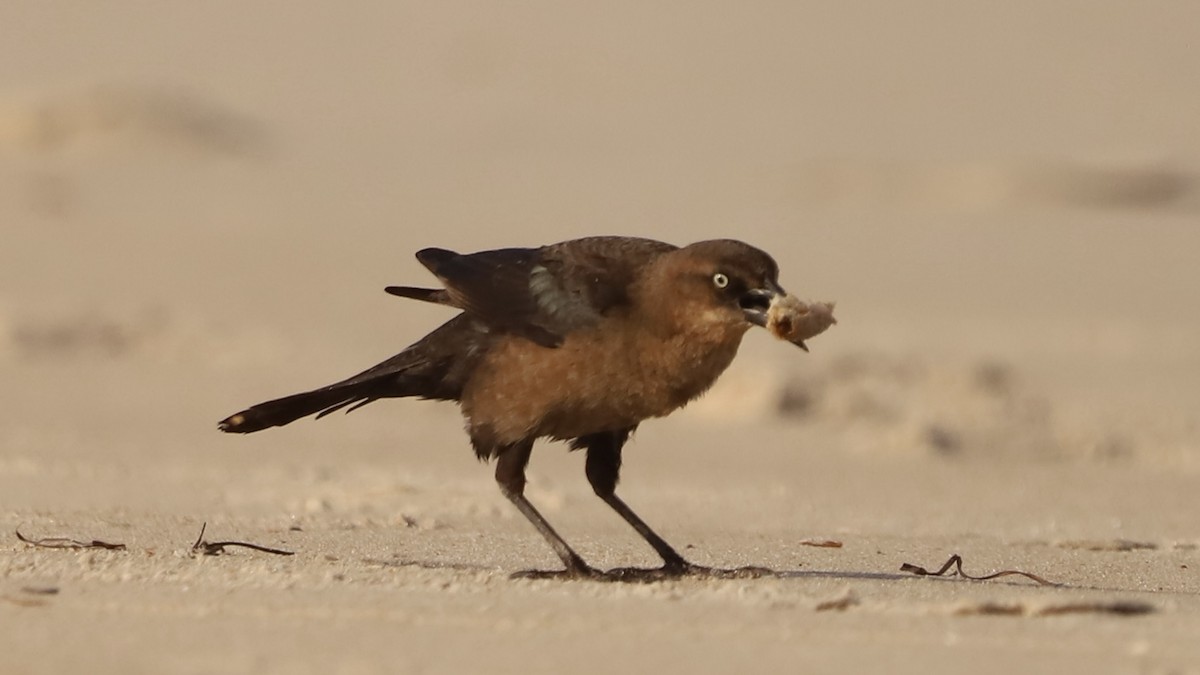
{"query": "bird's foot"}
[(589, 574), (675, 569), (618, 575), (575, 570), (747, 572), (680, 569), (676, 566)]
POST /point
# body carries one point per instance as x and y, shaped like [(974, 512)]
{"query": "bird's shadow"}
[(649, 575), (652, 575)]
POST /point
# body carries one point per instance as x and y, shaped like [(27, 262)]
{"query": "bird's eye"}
[(720, 280)]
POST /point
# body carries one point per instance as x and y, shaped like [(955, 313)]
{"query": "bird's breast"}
[(597, 380)]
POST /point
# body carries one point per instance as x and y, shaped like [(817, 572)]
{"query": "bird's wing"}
[(542, 294)]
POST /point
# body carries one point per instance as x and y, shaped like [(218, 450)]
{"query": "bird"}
[(578, 341)]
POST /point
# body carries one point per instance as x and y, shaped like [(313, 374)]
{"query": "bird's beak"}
[(756, 303), (784, 315)]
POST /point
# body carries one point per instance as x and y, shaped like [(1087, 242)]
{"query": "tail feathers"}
[(432, 369), (438, 296), (288, 409)]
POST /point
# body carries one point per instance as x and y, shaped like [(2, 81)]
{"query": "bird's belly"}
[(585, 386)]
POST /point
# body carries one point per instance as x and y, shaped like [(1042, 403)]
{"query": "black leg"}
[(510, 474), (603, 472)]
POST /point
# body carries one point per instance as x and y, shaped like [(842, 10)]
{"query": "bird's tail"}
[(412, 372), (429, 369), (281, 411)]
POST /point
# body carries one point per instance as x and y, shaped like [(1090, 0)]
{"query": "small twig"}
[(66, 542), (956, 562), (218, 547)]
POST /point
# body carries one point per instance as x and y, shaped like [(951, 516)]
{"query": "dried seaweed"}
[(955, 561), (1118, 607), (66, 542), (218, 547), (821, 543)]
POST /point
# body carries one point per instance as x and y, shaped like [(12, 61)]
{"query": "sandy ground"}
[(202, 202)]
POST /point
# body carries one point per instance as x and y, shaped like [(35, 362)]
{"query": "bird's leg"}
[(603, 470), (510, 474)]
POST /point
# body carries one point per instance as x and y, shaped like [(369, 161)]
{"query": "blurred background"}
[(201, 203)]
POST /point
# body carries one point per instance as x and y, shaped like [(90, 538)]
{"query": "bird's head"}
[(727, 284)]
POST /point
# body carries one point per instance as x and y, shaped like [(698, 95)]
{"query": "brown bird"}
[(578, 341)]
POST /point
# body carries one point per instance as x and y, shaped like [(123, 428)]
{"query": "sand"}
[(203, 203)]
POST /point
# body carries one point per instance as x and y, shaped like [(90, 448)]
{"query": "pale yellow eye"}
[(720, 280)]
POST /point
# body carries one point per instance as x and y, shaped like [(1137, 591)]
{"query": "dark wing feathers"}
[(596, 272), (493, 286), (541, 294)]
